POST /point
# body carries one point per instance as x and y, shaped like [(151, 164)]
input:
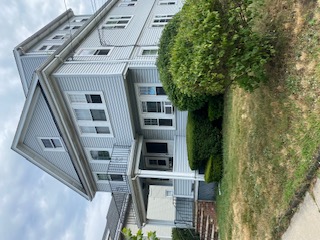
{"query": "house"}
[(96, 116)]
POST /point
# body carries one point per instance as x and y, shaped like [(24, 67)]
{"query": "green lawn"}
[(272, 134)]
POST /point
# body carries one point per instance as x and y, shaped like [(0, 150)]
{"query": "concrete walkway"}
[(305, 224)]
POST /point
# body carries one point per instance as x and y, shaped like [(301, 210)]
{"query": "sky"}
[(33, 205)]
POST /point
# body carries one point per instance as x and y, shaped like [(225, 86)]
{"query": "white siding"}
[(43, 125), (83, 69), (181, 164), (116, 101), (30, 64)]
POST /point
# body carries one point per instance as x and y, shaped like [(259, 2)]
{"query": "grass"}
[(272, 134)]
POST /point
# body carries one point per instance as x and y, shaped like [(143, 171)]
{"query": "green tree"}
[(208, 47), (180, 100)]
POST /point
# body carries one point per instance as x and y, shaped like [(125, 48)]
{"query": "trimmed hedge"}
[(213, 172), (204, 138), (184, 234), (215, 107), (180, 100)]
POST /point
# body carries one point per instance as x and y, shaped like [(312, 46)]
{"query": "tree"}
[(139, 236), (180, 100), (208, 47)]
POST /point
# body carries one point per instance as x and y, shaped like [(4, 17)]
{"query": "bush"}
[(184, 234), (208, 47), (215, 108), (214, 167), (180, 100), (203, 138)]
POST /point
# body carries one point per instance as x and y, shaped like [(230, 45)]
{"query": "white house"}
[(96, 116)]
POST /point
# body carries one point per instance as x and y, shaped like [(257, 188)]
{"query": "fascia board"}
[(26, 114), (23, 47), (40, 162), (19, 147)]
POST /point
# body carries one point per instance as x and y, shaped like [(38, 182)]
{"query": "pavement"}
[(305, 224)]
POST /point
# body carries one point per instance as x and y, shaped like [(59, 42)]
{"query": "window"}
[(167, 2), (90, 113), (151, 90), (159, 163), (155, 110), (158, 122), (114, 22), (48, 47), (161, 20), (149, 52), (157, 107), (51, 144), (109, 177), (100, 155), (157, 147), (115, 177), (102, 176), (78, 20), (127, 4), (58, 37), (95, 130), (97, 52), (71, 27), (85, 98)]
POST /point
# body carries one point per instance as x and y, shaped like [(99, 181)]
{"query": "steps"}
[(206, 220)]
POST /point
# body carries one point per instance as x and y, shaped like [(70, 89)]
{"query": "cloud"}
[(97, 210)]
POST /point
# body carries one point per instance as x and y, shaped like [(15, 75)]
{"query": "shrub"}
[(213, 45), (213, 171), (180, 100), (184, 234), (203, 138), (215, 107)]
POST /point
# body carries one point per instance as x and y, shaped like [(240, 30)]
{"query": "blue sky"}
[(33, 205)]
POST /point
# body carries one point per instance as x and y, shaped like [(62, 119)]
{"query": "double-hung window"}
[(51, 143), (94, 51), (48, 47), (90, 113), (109, 177), (167, 2), (71, 28), (117, 21), (155, 110), (161, 20), (152, 51)]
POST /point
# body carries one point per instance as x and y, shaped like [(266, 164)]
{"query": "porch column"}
[(169, 175)]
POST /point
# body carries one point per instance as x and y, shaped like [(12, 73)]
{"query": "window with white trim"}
[(127, 4), (117, 21), (100, 155), (167, 2), (51, 144), (161, 20), (149, 51), (79, 20), (48, 47), (58, 37), (71, 28), (109, 177), (155, 110), (94, 51), (90, 113)]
